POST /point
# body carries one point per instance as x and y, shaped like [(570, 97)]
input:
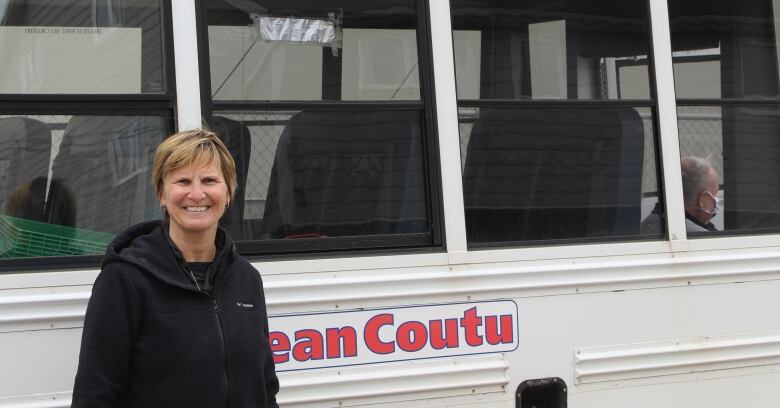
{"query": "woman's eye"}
[(183, 181)]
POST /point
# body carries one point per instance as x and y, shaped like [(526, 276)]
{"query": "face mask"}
[(715, 209)]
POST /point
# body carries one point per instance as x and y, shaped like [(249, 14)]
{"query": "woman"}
[(177, 318)]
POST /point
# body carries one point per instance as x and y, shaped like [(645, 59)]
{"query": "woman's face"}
[(195, 197)]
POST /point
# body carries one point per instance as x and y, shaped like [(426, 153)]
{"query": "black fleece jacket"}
[(152, 339)]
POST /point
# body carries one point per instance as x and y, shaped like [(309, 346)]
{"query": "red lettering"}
[(491, 329), (280, 347), (471, 322), (447, 338), (373, 342), (345, 339), (411, 336), (308, 345)]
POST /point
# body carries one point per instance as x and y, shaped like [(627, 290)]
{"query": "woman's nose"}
[(197, 193)]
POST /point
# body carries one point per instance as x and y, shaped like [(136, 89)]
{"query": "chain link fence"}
[(265, 129), (701, 134), (699, 128)]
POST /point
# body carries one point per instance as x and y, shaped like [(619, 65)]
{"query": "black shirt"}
[(199, 270)]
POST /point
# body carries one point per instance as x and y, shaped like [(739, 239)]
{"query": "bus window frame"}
[(651, 103), (152, 104), (431, 241)]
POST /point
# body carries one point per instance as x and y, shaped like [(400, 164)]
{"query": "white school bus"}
[(448, 201)]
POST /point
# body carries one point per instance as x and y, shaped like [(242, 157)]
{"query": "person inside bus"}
[(43, 200), (177, 317), (700, 195), (31, 201)]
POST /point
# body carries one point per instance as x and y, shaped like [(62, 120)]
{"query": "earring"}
[(163, 208)]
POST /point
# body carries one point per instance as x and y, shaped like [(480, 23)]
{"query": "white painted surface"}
[(667, 121), (447, 126), (654, 309), (185, 52), (676, 357), (394, 382)]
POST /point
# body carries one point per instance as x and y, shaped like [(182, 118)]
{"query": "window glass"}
[(550, 50), (81, 47), (69, 183), (725, 49), (310, 51), (541, 173), (729, 152), (740, 146), (338, 176), (325, 174)]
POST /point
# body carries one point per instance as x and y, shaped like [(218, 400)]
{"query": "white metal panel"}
[(428, 283), (650, 248), (185, 52), (667, 121), (335, 263), (756, 390), (553, 327), (393, 382), (36, 279), (372, 288), (36, 309), (447, 124), (628, 361), (38, 361), (727, 243), (50, 400), (564, 305)]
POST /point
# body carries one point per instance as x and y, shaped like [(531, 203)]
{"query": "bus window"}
[(367, 57), (81, 47), (85, 102), (316, 170), (69, 183), (726, 81), (543, 50), (539, 165)]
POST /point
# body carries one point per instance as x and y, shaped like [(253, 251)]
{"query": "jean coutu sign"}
[(334, 339)]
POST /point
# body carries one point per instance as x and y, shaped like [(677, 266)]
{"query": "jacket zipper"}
[(225, 377), (220, 332)]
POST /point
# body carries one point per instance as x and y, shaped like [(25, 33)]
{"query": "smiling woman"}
[(195, 179), (168, 310)]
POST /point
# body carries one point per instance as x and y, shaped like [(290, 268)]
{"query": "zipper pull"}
[(214, 304)]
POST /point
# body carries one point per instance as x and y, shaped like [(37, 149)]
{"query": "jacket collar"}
[(148, 247), (707, 226)]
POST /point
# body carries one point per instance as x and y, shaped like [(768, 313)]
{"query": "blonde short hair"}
[(190, 147)]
